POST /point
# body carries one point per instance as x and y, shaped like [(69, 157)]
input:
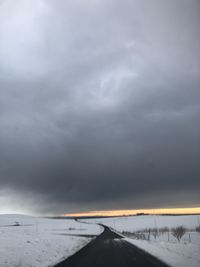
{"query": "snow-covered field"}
[(40, 242), (177, 254), (134, 223)]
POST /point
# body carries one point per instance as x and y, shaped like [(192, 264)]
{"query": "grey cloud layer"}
[(99, 103)]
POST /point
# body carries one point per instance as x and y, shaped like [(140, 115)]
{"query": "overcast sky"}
[(99, 105)]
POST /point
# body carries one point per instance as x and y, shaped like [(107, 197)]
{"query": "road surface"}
[(109, 249)]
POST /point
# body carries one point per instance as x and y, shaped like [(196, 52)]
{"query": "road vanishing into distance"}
[(110, 250)]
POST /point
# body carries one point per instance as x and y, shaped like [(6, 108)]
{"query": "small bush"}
[(140, 236), (178, 232), (16, 224)]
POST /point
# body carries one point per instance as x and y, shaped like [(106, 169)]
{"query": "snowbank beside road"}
[(174, 254)]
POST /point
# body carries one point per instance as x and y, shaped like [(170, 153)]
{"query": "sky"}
[(99, 105)]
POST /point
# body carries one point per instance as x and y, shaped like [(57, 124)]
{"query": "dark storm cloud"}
[(99, 104)]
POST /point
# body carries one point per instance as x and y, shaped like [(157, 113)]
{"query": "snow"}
[(40, 242), (134, 223), (165, 247), (174, 254)]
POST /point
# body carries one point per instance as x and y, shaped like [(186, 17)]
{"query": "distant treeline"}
[(103, 217)]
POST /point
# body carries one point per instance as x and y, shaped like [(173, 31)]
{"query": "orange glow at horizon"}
[(110, 213)]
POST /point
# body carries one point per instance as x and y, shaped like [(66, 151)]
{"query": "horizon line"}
[(126, 212)]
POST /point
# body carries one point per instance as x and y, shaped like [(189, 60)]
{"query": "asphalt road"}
[(109, 249)]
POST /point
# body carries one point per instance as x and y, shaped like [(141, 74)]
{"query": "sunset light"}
[(110, 213)]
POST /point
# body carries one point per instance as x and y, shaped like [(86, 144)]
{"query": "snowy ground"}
[(177, 254), (40, 242), (134, 223)]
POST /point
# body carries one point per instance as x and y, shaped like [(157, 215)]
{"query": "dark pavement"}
[(109, 249)]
